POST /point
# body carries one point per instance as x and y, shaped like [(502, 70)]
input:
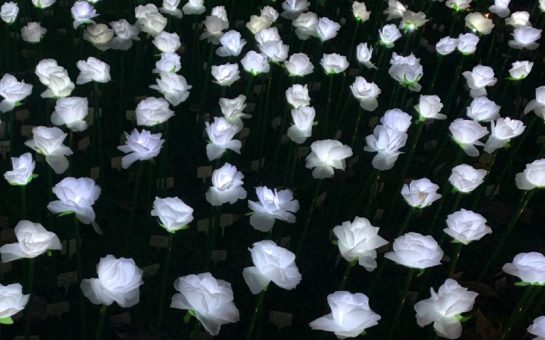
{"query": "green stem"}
[(512, 223), (356, 127), (346, 274), (406, 221), (401, 302), (98, 123), (455, 258), (102, 317), (23, 202), (164, 283), (134, 202), (257, 312), (328, 105), (304, 231), (523, 304), (213, 230), (29, 287), (79, 276)]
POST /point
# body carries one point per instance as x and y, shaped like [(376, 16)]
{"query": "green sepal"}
[(66, 213), (6, 321)]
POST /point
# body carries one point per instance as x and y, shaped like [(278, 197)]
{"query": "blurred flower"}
[(467, 43), (520, 69), (293, 8), (501, 132), (13, 91), (169, 62), (23, 166), (255, 63), (33, 32), (532, 177), (429, 107), (297, 96), (466, 178), (231, 44), (259, 23), (458, 5), (149, 20), (334, 63), (518, 19), (407, 71), (326, 156), (537, 327), (482, 109), (364, 53), (215, 24), (226, 186), (415, 250), (140, 146), (83, 13), (267, 35), (42, 4), (386, 142), (226, 74), (76, 195), (118, 281), (48, 142), (350, 315), (538, 104), (388, 35), (13, 300), (303, 120), (272, 205), (358, 240), (153, 111), (194, 7), (9, 12), (446, 45), (232, 109), (305, 25), (171, 7), (466, 226), (411, 21), (327, 29), (221, 133), (528, 267), (525, 37), (500, 8), (209, 299), (173, 213), (467, 133), (396, 119), (420, 193), (395, 10), (32, 241), (167, 42), (59, 85), (125, 33), (478, 79), (173, 87), (71, 111), (100, 35), (477, 22), (299, 65), (276, 51), (271, 263), (360, 11), (366, 93), (93, 69), (444, 308)]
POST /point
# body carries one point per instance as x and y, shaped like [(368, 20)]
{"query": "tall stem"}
[(523, 304), (512, 223), (346, 274), (79, 276), (29, 287), (309, 216), (455, 258), (134, 203), (101, 319), (98, 123), (164, 283), (401, 302), (23, 202), (257, 312)]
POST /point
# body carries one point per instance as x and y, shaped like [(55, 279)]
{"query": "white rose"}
[(100, 35), (173, 213), (520, 69), (9, 12), (153, 111), (71, 111), (93, 69), (501, 132), (465, 178), (325, 156), (446, 45), (33, 32), (226, 186), (140, 146), (334, 63), (12, 300), (118, 281), (303, 120), (532, 177), (467, 133), (76, 195), (415, 250), (467, 43), (48, 142), (255, 63), (420, 193), (366, 93), (327, 29), (466, 226), (477, 22), (299, 65), (271, 263), (13, 91), (225, 75), (167, 42), (173, 87), (23, 166), (297, 96), (221, 134), (528, 267), (525, 37), (482, 109), (231, 44), (32, 241), (429, 107), (272, 205)]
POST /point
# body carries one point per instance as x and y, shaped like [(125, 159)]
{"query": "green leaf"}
[(522, 284), (6, 321), (66, 213)]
